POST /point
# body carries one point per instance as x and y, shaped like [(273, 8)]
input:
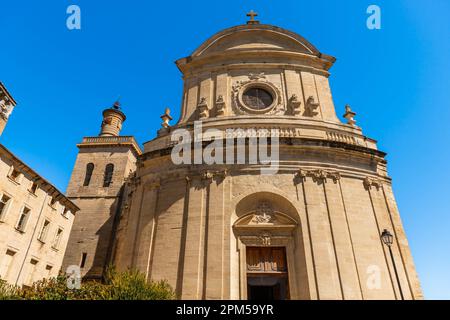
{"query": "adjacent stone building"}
[(35, 217), (229, 230)]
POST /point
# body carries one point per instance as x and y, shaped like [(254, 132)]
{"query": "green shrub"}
[(127, 285), (8, 292), (132, 285)]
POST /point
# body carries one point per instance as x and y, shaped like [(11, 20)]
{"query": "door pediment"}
[(265, 218)]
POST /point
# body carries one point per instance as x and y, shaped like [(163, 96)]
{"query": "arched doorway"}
[(267, 252)]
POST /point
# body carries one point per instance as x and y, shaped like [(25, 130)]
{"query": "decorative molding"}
[(372, 182), (265, 238), (311, 107), (264, 213), (256, 76), (277, 107), (318, 175), (339, 137)]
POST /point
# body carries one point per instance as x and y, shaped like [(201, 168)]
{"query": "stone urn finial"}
[(166, 118), (349, 115)]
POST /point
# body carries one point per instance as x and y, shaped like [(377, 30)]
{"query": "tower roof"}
[(116, 107)]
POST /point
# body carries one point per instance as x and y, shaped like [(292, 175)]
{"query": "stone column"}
[(328, 282), (215, 239), (146, 227), (404, 252), (193, 255), (351, 288)]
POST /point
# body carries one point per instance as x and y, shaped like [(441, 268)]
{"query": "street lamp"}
[(388, 239)]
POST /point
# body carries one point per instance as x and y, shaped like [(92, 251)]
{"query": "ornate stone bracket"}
[(220, 106), (372, 182), (311, 107), (318, 175), (207, 177), (203, 110), (295, 104)]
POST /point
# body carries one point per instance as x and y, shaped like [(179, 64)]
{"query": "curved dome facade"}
[(226, 230)]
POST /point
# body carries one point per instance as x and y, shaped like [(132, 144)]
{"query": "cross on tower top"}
[(252, 14)]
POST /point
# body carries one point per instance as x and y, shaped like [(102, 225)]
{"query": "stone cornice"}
[(288, 142), (118, 141)]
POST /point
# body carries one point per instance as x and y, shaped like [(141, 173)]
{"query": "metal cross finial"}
[(252, 14)]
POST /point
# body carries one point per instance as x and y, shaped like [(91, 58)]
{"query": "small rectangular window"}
[(32, 270), (44, 230), (14, 175), (52, 203), (65, 212), (21, 224), (6, 264), (49, 269), (33, 188), (58, 237), (4, 203), (83, 260)]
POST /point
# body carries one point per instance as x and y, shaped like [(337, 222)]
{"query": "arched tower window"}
[(109, 170), (88, 176)]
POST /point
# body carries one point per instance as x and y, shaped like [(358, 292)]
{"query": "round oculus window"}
[(257, 98)]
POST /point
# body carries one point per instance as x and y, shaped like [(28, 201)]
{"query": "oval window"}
[(257, 98)]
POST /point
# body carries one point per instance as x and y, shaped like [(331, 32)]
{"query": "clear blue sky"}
[(396, 79)]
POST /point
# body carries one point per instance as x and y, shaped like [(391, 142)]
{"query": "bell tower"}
[(113, 119), (97, 185)]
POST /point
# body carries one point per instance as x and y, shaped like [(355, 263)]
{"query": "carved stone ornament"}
[(203, 111), (220, 106), (240, 87), (265, 239), (371, 182), (253, 76), (264, 214), (295, 104), (318, 175), (349, 115), (166, 118), (5, 109), (311, 107)]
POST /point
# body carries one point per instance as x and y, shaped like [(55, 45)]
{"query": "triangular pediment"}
[(265, 219)]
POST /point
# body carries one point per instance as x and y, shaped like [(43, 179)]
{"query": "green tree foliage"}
[(127, 285)]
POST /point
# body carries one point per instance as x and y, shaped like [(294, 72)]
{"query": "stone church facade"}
[(227, 231)]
